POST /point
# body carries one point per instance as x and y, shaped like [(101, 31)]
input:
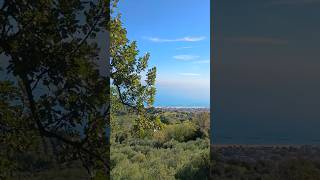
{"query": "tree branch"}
[(89, 33), (44, 132), (123, 101)]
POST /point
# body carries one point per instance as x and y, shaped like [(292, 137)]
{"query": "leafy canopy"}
[(54, 91)]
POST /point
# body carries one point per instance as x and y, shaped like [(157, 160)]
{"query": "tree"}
[(202, 121), (56, 96), (129, 87), (55, 91)]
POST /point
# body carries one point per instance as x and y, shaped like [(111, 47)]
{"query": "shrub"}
[(197, 168), (202, 122), (181, 132), (139, 157), (160, 138), (126, 170), (120, 137)]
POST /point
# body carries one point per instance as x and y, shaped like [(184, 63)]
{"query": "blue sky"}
[(177, 35)]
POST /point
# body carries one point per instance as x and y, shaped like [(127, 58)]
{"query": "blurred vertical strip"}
[(213, 18), (54, 89)]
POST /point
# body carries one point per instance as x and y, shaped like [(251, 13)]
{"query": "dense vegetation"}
[(179, 150)]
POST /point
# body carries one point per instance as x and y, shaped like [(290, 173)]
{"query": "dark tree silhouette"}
[(55, 91), (54, 97)]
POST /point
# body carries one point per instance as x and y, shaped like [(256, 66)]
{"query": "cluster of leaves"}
[(181, 132)]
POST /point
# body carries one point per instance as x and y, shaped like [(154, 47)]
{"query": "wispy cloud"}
[(185, 47), (189, 74), (185, 57), (207, 61), (258, 40), (184, 39)]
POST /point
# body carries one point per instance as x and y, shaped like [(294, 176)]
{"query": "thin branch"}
[(123, 101), (39, 77), (89, 33), (44, 132)]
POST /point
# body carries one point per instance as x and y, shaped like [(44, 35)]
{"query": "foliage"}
[(199, 166), (174, 152), (146, 161), (129, 88), (202, 122), (55, 92), (181, 132)]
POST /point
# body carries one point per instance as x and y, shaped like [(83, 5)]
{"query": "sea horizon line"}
[(184, 107)]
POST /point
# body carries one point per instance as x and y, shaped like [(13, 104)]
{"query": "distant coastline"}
[(182, 107)]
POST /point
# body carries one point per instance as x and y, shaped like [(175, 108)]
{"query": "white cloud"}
[(185, 47), (189, 74), (184, 39), (185, 57)]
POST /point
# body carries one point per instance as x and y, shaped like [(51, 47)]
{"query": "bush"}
[(120, 137), (197, 168), (202, 122), (181, 132), (126, 170), (139, 157), (160, 137)]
